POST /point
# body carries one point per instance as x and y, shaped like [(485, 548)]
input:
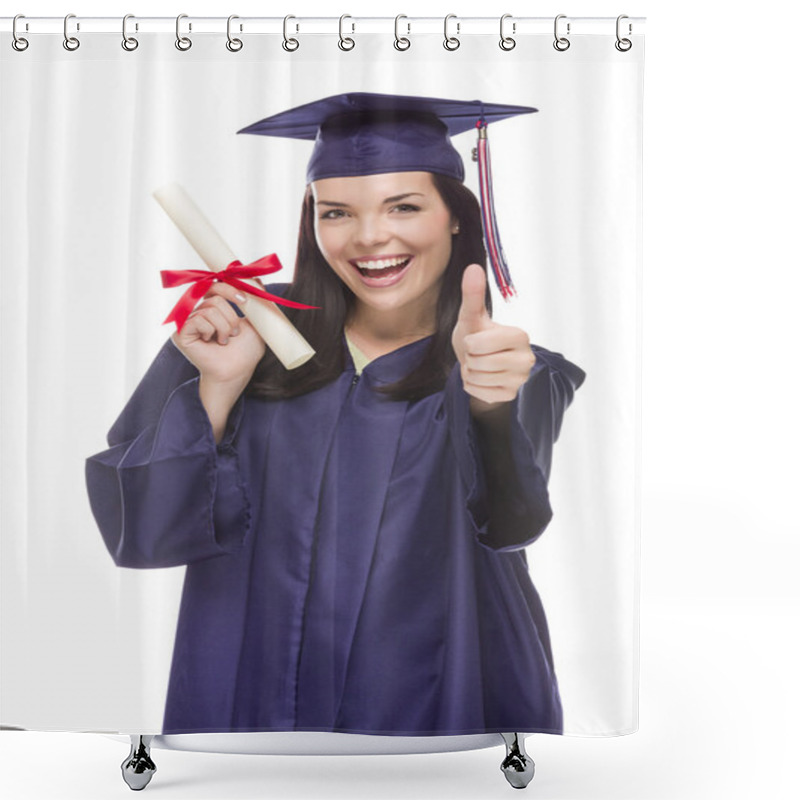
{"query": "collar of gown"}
[(392, 366)]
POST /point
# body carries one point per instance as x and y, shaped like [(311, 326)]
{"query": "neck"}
[(376, 332)]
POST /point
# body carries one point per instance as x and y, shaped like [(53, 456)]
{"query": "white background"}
[(720, 601)]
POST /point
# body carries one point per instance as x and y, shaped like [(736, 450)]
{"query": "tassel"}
[(491, 235)]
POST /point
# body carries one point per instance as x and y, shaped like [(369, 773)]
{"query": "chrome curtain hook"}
[(345, 42), (623, 45), (561, 43), (506, 42), (451, 42), (129, 43), (234, 45), (182, 42), (289, 44), (401, 42), (70, 42), (18, 42)]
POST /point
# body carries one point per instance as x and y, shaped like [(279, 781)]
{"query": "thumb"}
[(473, 314)]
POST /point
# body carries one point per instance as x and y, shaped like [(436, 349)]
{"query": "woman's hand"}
[(495, 359), (224, 347)]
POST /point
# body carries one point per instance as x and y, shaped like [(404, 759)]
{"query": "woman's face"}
[(388, 237)]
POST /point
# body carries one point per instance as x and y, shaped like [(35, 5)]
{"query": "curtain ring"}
[(506, 42), (401, 42), (451, 42), (18, 42), (70, 42), (234, 45), (289, 45), (561, 43), (345, 42), (129, 43), (623, 45), (182, 42)]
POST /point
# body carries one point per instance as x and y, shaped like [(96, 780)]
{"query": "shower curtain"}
[(92, 641)]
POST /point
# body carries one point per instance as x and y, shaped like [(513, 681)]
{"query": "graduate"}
[(354, 529)]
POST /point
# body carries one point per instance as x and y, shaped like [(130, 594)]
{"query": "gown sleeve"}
[(517, 515), (164, 493)]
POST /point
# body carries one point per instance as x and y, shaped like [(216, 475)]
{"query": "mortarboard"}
[(361, 133)]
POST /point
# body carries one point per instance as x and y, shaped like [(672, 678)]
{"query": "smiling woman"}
[(314, 278), (387, 237), (353, 530)]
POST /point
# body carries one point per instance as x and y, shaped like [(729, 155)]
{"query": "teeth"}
[(382, 263)]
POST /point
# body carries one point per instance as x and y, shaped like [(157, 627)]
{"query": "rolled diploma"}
[(281, 336)]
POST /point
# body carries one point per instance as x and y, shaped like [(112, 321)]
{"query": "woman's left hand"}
[(495, 359)]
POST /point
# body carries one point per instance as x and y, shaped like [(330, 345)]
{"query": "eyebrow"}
[(396, 198)]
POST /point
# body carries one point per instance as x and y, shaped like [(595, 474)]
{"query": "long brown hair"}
[(315, 283)]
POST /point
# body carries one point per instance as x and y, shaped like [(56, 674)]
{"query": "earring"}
[(457, 229)]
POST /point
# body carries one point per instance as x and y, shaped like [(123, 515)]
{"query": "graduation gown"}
[(343, 572)]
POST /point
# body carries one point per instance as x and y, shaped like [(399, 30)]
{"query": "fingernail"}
[(240, 297), (235, 332)]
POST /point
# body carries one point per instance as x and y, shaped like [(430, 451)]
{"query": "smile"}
[(382, 271)]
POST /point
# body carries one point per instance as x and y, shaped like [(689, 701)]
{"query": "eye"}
[(405, 208), (334, 213)]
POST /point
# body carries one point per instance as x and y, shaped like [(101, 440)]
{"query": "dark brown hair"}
[(316, 284)]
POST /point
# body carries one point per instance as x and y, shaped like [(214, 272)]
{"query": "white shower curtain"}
[(86, 138)]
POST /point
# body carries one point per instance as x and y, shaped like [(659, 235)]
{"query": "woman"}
[(353, 529)]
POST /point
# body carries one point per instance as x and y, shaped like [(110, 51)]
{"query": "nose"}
[(372, 231)]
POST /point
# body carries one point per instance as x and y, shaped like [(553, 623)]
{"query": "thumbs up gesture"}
[(495, 359)]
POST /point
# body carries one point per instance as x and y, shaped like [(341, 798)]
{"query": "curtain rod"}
[(463, 26)]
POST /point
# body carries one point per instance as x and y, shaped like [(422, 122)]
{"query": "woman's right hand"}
[(224, 347)]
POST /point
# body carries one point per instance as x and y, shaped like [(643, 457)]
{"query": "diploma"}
[(290, 348)]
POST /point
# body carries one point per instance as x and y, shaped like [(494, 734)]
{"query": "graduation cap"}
[(360, 133)]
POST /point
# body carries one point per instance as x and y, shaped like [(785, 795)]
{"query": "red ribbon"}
[(232, 274)]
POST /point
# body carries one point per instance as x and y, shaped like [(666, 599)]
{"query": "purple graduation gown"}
[(343, 572)]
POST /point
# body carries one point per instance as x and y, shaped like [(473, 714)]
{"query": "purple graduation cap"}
[(360, 133)]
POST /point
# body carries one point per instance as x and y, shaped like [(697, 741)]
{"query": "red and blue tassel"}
[(491, 235)]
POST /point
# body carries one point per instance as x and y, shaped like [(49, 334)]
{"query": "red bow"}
[(232, 274)]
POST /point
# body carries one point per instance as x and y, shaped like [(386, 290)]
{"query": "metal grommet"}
[(129, 43), (401, 42), (561, 43), (623, 45), (290, 45), (182, 42), (70, 42), (18, 42), (234, 45), (345, 42), (506, 42), (451, 42)]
